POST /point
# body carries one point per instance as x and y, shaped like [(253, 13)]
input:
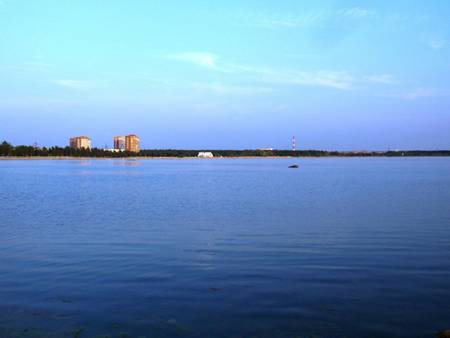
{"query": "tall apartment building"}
[(119, 142), (80, 142), (132, 143)]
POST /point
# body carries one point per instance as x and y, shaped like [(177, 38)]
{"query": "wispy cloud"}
[(381, 78), (287, 21), (418, 93), (321, 18), (73, 84), (436, 42), (198, 58), (355, 13), (227, 89), (337, 79), (333, 79), (274, 20)]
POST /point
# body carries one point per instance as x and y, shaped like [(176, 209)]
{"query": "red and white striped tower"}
[(293, 143)]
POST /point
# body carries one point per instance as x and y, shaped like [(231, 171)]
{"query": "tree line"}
[(7, 149)]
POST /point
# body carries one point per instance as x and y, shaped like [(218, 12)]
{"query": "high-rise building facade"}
[(80, 142), (132, 143), (119, 142)]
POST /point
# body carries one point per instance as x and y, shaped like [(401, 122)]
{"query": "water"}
[(225, 248)]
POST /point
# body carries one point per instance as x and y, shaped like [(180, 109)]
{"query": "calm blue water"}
[(225, 248)]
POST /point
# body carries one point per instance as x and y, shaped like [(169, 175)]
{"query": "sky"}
[(339, 75)]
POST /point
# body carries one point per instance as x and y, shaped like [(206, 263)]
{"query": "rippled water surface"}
[(225, 248)]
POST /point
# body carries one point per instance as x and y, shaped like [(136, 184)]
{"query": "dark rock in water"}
[(78, 333), (443, 334), (293, 166)]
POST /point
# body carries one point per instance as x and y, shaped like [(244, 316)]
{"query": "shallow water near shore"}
[(340, 247)]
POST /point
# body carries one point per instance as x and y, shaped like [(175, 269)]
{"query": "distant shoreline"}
[(8, 151)]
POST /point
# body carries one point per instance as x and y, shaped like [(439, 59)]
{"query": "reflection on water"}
[(84, 162), (129, 162), (225, 248)]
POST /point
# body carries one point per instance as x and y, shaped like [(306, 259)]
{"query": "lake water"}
[(356, 247)]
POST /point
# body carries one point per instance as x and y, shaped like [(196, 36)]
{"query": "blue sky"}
[(227, 74)]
